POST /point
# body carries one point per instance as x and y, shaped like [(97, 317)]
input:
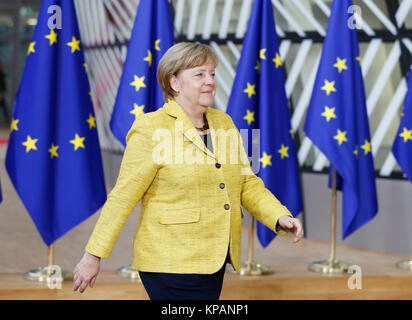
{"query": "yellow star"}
[(148, 58), (250, 117), (156, 45), (359, 58), (329, 113), (137, 109), (74, 44), (292, 134), (283, 151), (340, 64), (356, 152), (277, 60), (262, 54), (53, 151), (30, 144), (91, 97), (266, 159), (257, 67), (13, 125), (52, 36), (366, 147), (329, 87), (85, 67), (406, 134), (78, 142), (31, 47), (250, 90), (341, 137), (138, 83), (91, 121)]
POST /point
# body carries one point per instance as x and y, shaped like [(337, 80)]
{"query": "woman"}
[(192, 190)]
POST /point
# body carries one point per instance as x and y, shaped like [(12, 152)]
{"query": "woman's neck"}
[(195, 113)]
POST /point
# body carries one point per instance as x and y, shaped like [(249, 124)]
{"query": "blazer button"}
[(222, 186), (218, 165), (226, 206)]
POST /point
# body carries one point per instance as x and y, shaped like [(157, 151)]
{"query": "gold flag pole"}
[(50, 273), (50, 255), (332, 265), (251, 267)]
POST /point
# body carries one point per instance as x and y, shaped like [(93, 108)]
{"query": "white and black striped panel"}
[(301, 25)]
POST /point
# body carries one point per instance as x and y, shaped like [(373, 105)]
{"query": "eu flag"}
[(337, 121), (139, 91), (402, 146), (258, 101), (53, 158)]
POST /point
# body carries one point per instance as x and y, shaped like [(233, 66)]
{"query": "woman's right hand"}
[(85, 273)]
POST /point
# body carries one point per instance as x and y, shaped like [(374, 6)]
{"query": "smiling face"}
[(195, 86)]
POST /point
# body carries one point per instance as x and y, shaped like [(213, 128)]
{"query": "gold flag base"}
[(254, 269), (230, 269), (47, 275), (405, 264), (52, 274), (250, 269), (128, 272), (329, 267)]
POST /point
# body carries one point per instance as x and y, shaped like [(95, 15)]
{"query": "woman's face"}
[(196, 86)]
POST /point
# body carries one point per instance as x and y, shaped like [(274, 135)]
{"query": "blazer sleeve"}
[(137, 172), (256, 198)]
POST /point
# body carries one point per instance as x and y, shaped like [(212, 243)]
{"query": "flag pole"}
[(50, 273), (50, 254), (332, 265), (251, 267)]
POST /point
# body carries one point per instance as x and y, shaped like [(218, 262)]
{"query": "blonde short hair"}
[(183, 55)]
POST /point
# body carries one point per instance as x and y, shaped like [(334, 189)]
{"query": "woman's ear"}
[(174, 83)]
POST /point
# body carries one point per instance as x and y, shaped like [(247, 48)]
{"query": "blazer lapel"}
[(188, 129)]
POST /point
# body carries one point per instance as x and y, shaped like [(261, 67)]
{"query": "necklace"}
[(205, 126)]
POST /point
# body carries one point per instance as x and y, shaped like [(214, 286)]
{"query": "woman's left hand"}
[(292, 225)]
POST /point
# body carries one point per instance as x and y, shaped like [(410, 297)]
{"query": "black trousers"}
[(178, 286)]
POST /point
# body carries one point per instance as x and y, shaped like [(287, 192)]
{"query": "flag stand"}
[(49, 273), (405, 264), (332, 265), (128, 272), (251, 267)]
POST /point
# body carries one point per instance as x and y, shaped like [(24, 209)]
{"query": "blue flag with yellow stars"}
[(402, 146), (258, 101), (53, 158), (337, 121), (139, 91)]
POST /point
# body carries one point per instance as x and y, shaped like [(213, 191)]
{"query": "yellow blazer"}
[(191, 209)]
